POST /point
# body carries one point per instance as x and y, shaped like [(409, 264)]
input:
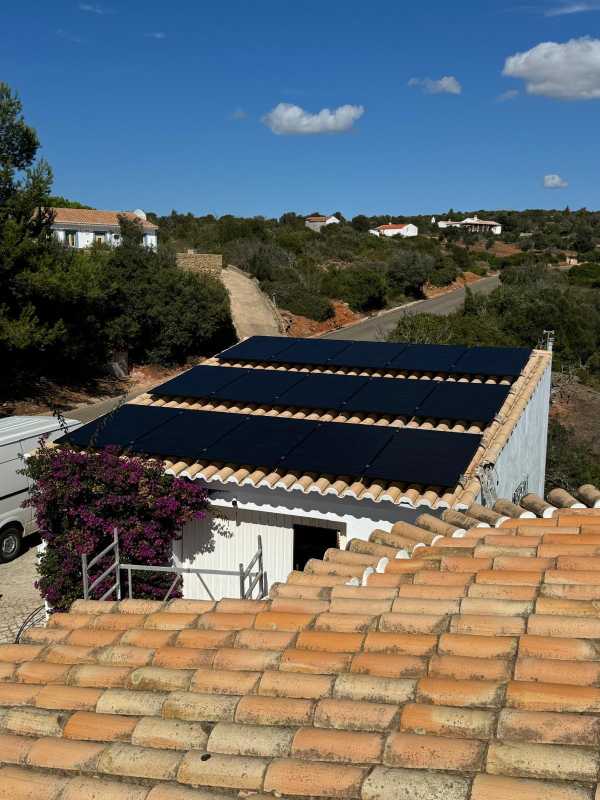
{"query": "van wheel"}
[(11, 540)]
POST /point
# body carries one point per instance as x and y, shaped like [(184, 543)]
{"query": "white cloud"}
[(554, 181), (506, 96), (569, 71), (448, 84), (286, 118), (571, 8), (94, 8), (156, 35), (69, 37), (238, 115)]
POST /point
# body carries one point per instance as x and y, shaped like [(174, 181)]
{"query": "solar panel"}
[(312, 351), (190, 434), (367, 355), (501, 361), (474, 402), (260, 387), (348, 393), (338, 449), (323, 391), (257, 348), (431, 458), (407, 455), (428, 357), (262, 441), (121, 427), (390, 396), (451, 359), (202, 381)]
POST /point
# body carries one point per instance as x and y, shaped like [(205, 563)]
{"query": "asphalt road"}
[(373, 329), (377, 328)]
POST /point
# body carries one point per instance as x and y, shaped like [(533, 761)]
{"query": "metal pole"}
[(84, 572), (117, 564), (129, 581), (242, 592)]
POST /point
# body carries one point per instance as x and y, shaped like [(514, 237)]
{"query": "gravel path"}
[(18, 595), (250, 309)]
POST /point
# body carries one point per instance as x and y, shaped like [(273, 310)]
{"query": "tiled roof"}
[(494, 438), (430, 662), (391, 227), (85, 216)]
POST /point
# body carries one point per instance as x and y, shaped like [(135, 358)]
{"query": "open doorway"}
[(311, 541)]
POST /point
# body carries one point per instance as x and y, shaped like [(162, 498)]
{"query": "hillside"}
[(305, 271)]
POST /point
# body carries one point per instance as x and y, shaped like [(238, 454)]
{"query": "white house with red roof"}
[(405, 230), (318, 221), (83, 227)]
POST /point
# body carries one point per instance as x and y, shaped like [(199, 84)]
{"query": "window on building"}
[(312, 542), (71, 238), (99, 237)]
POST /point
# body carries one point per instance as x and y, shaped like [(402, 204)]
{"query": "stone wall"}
[(200, 262)]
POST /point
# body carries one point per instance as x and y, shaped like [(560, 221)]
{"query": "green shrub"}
[(295, 298)]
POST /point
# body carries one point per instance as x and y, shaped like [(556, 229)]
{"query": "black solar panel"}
[(367, 355), (122, 427), (391, 396), (190, 434), (348, 393), (323, 391), (474, 402), (262, 441), (432, 458), (428, 357), (406, 455), (451, 359), (338, 449), (312, 351), (260, 387), (504, 361), (206, 380), (257, 348)]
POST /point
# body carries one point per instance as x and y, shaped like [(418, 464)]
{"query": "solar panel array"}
[(430, 458), (450, 359), (342, 393)]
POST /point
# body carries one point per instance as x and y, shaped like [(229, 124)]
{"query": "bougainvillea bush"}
[(80, 497)]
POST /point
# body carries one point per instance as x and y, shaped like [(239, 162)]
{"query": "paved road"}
[(377, 328), (18, 595)]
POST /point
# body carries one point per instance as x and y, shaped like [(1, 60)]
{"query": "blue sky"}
[(177, 105)]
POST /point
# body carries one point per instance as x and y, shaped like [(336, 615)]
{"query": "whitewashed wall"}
[(523, 458), (230, 538)]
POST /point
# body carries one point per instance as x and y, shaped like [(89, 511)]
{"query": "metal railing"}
[(249, 579)]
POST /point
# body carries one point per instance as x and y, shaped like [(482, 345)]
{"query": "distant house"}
[(318, 221), (473, 225), (395, 230), (82, 227)]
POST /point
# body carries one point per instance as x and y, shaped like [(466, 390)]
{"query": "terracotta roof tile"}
[(447, 675)]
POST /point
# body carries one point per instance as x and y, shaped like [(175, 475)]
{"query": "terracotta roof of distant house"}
[(389, 226), (453, 659), (317, 218), (86, 216)]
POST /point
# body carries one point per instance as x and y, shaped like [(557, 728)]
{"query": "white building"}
[(82, 227), (404, 230), (296, 470), (473, 225), (318, 221)]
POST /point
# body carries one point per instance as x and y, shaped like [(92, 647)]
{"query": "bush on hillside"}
[(295, 298)]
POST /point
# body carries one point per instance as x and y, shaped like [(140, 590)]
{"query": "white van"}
[(18, 436)]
